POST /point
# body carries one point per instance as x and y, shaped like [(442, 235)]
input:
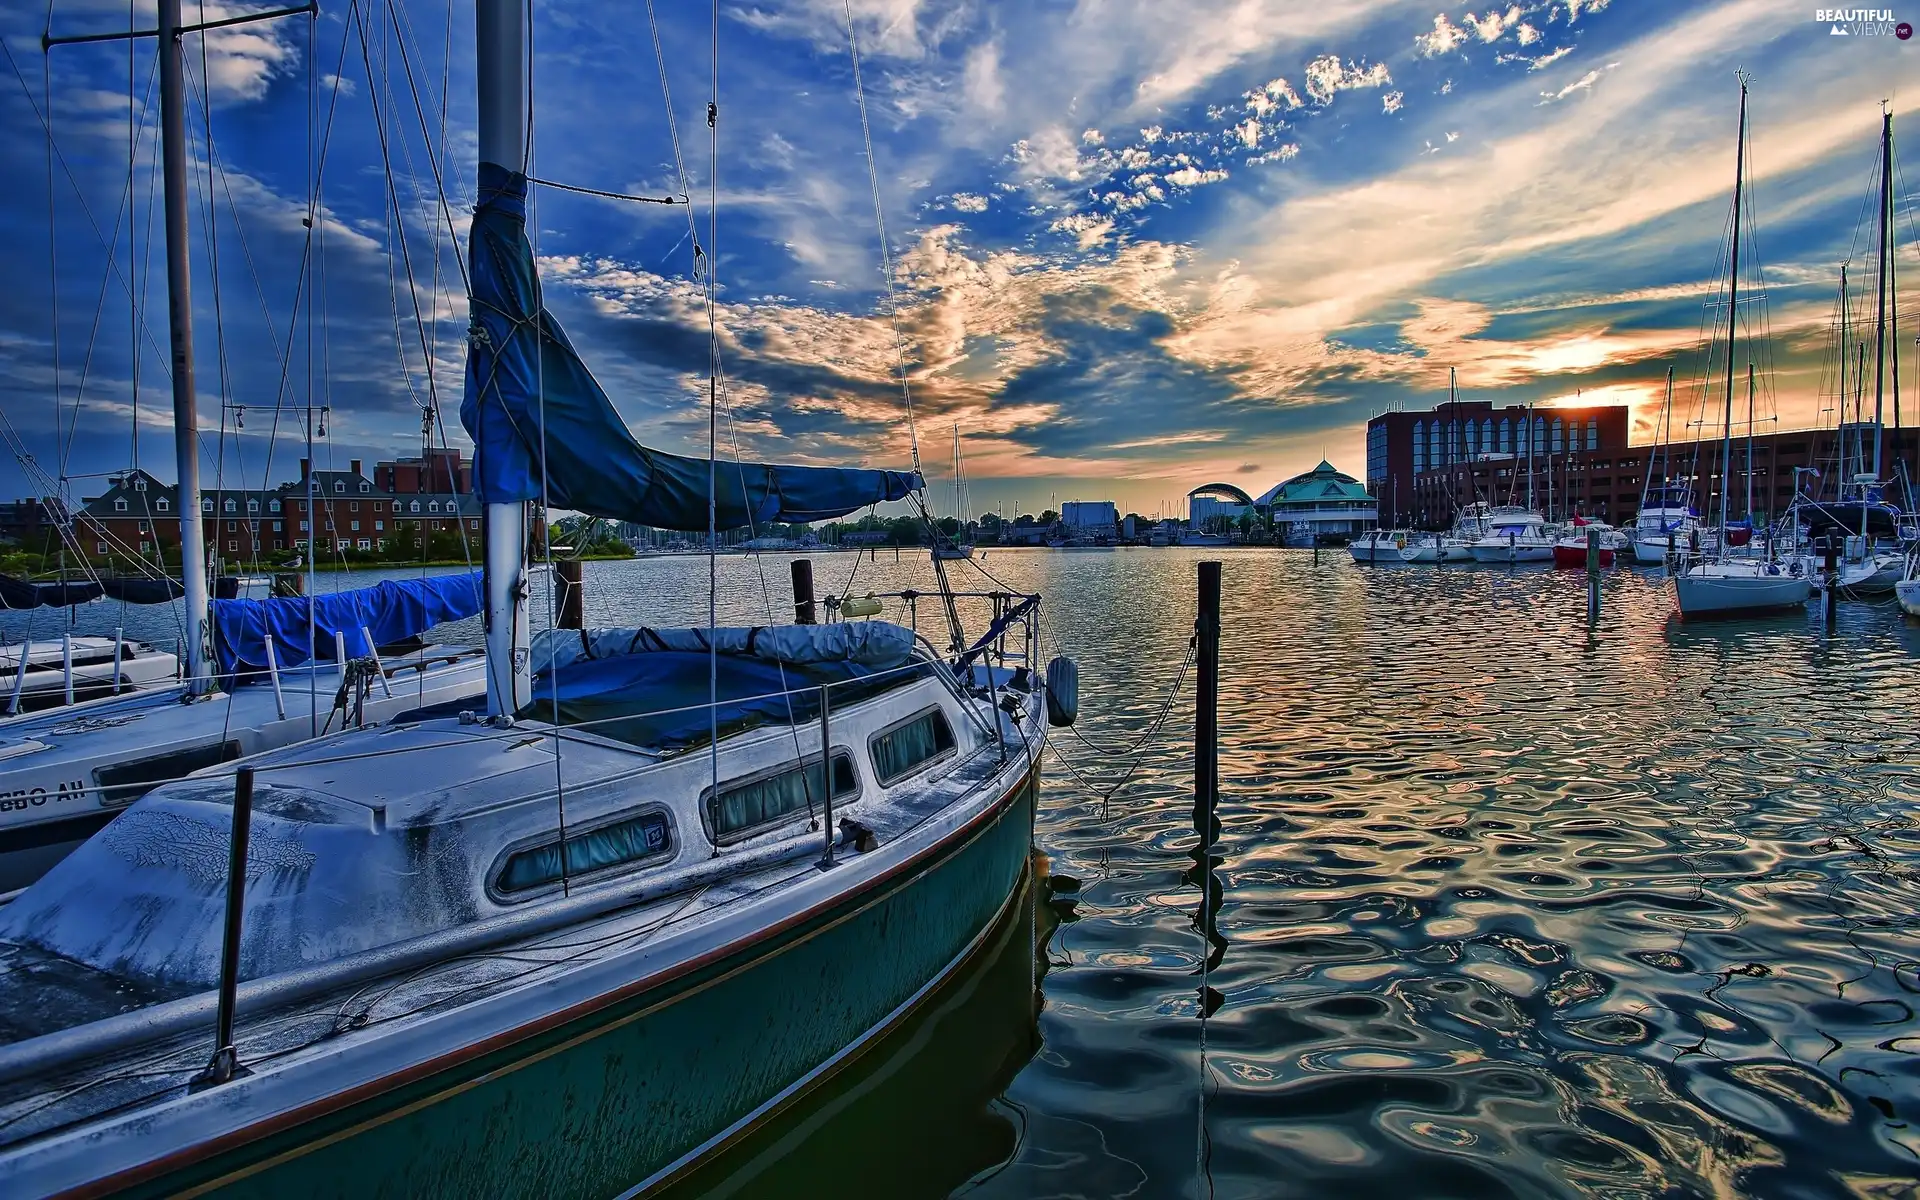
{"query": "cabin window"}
[(621, 844), (746, 808), (900, 751)]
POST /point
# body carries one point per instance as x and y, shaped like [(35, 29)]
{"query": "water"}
[(1508, 906)]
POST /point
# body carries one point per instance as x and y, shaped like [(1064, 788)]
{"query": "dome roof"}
[(1324, 482)]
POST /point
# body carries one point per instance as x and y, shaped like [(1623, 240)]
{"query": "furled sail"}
[(391, 611), (519, 379)]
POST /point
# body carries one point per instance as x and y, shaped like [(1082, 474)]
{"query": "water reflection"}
[(1514, 907)]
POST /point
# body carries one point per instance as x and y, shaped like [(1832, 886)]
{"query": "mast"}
[(1529, 456), (1749, 443), (500, 48), (1733, 314), (1664, 429), (186, 441), (1884, 231)]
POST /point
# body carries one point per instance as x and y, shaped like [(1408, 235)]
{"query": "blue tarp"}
[(627, 697), (391, 610), (592, 464)]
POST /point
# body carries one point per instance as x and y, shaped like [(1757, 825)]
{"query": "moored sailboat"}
[(1715, 583), (670, 881)]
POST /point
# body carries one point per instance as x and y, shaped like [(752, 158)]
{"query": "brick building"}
[(1609, 483), (1402, 446), (137, 516)]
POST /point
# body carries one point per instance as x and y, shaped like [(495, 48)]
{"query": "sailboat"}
[(668, 882), (1716, 582), (1469, 523), (255, 675), (1517, 534), (1666, 522), (959, 548), (1872, 535)]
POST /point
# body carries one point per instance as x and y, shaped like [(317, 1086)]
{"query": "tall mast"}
[(1883, 227), (1733, 313), (500, 48), (186, 440), (1749, 443), (1529, 456), (1840, 406)]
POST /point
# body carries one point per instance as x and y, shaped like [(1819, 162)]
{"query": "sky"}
[(1135, 247)]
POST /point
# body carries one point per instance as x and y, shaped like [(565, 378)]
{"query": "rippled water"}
[(1507, 905)]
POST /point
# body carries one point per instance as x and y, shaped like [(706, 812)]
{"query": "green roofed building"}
[(1323, 501)]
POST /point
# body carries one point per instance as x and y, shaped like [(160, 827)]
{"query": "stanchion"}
[(1833, 579), (225, 1063)]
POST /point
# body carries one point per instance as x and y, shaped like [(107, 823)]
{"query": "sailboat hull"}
[(1907, 591), (1719, 589), (636, 1086), (1512, 552), (1651, 553)]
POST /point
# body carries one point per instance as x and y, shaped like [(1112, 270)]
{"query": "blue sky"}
[(1137, 246)]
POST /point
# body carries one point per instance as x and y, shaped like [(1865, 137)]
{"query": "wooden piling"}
[(569, 599), (803, 610), (1206, 719), (1593, 575)]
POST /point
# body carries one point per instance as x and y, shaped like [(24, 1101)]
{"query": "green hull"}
[(599, 1105)]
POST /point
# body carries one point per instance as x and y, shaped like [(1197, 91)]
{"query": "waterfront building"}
[(1402, 447), (1324, 502)]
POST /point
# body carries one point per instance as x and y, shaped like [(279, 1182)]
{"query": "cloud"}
[(1191, 177), (1445, 37), (242, 61), (967, 202), (1495, 23), (1327, 75), (1547, 60), (1392, 102), (1579, 85)]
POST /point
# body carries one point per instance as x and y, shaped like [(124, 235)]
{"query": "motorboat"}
[(1378, 546), (1456, 544), (43, 674), (1571, 549), (1515, 535), (1666, 522)]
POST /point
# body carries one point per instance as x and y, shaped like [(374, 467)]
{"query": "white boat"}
[(1378, 546), (67, 772), (953, 553), (1713, 582), (1706, 587), (73, 669), (1907, 591), (1515, 535), (1665, 513), (1456, 544)]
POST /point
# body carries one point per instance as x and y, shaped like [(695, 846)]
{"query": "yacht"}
[(1456, 544), (1515, 535), (1666, 520), (1907, 591), (1571, 549), (1378, 546)]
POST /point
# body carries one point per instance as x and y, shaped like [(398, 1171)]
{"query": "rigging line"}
[(399, 221), (886, 251), (587, 191), (433, 160), (73, 181)]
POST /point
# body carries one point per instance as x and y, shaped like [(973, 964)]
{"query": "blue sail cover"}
[(391, 610), (592, 464)]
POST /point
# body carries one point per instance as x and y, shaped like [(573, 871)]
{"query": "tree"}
[(1049, 517), (949, 526), (1023, 521)]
